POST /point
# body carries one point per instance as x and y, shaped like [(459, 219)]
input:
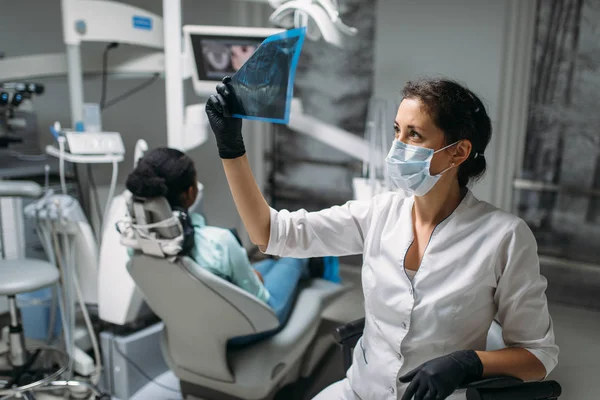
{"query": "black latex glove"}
[(227, 130), (439, 378)]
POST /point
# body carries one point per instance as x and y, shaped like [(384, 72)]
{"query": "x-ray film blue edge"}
[(296, 32), (301, 32), (283, 121)]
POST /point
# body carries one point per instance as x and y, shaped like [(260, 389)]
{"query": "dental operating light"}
[(321, 18)]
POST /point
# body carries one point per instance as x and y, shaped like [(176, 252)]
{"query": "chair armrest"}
[(352, 330), (347, 336), (507, 388)]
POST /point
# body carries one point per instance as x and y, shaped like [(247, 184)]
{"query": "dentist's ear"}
[(462, 151)]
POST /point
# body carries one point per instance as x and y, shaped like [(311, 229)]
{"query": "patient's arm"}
[(259, 275), (242, 273)]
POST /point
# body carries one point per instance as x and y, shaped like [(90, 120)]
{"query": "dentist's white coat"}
[(480, 263)]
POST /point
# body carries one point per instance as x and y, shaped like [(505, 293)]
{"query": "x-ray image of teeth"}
[(222, 57), (216, 56), (264, 85)]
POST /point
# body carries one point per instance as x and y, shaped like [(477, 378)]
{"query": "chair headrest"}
[(151, 226), (151, 211)]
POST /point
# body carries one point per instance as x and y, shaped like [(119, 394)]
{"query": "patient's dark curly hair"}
[(162, 172), (460, 114)]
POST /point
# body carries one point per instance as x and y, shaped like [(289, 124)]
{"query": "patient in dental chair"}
[(171, 174)]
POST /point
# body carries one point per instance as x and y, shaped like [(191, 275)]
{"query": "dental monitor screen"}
[(219, 51), (220, 56)]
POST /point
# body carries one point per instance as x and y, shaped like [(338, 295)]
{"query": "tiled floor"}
[(577, 333)]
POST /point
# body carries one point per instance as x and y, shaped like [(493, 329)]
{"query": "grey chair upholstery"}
[(201, 312)]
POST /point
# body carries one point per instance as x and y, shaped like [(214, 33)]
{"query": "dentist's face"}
[(414, 126)]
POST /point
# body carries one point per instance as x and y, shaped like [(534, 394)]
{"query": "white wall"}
[(460, 39)]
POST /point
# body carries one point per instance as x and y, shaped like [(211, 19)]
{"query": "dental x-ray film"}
[(264, 85)]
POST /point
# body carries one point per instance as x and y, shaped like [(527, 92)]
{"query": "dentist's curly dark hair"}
[(460, 114), (162, 172)]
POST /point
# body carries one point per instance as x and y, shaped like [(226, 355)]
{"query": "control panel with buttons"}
[(94, 143)]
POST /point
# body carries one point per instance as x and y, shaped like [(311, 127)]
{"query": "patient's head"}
[(165, 172)]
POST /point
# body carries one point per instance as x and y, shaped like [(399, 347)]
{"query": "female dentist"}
[(439, 264)]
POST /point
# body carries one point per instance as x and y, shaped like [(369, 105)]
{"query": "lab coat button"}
[(399, 356), (392, 390), (404, 325), (410, 291)]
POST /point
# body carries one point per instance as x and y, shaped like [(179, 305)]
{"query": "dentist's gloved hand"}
[(439, 378), (227, 130)]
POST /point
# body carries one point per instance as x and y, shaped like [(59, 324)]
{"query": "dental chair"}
[(497, 388), (120, 302), (202, 312)]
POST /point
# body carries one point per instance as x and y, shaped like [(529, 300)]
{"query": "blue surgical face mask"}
[(408, 167)]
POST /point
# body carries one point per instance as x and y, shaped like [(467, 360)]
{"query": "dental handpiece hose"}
[(62, 251)]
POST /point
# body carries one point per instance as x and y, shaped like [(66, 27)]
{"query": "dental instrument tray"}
[(84, 158), (94, 143)]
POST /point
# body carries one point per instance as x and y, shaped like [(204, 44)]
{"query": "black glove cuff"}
[(231, 146), (231, 154), (471, 364)]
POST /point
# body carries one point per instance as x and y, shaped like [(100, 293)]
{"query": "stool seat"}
[(25, 275)]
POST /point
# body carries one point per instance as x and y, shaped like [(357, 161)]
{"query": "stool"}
[(21, 276)]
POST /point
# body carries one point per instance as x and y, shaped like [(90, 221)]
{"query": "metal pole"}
[(75, 79), (173, 72), (13, 311), (75, 75)]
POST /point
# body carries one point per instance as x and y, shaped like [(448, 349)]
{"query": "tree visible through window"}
[(561, 163)]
